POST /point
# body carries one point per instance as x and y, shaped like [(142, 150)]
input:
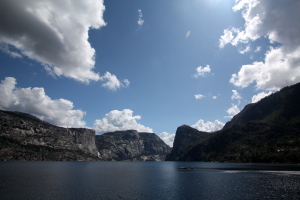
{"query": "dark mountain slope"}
[(266, 131), (284, 104), (185, 136)]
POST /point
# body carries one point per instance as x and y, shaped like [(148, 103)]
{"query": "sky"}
[(145, 65)]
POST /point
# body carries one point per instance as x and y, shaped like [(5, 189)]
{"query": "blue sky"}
[(145, 65)]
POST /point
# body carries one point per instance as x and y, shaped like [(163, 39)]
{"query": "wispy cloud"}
[(235, 95), (188, 34), (140, 20)]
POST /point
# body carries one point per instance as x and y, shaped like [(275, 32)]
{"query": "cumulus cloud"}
[(34, 101), (168, 138), (233, 110), (117, 120), (202, 71), (235, 95), (208, 126), (112, 82), (277, 21), (140, 20), (260, 96), (54, 33), (199, 96)]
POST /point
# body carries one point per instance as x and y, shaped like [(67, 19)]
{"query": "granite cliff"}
[(131, 145), (25, 137), (184, 137), (266, 131)]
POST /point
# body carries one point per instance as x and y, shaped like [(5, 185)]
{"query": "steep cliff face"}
[(131, 145), (26, 132), (185, 136)]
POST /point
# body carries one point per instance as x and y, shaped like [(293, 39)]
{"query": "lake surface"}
[(147, 180)]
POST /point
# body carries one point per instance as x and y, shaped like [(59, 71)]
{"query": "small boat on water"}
[(182, 167)]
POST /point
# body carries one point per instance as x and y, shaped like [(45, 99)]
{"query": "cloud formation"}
[(199, 96), (113, 83), (260, 96), (117, 120), (208, 126), (235, 95), (188, 34), (233, 110), (202, 71), (34, 101), (54, 33), (279, 22), (168, 138), (140, 20)]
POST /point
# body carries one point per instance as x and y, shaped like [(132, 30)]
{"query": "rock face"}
[(185, 136), (25, 137), (131, 145), (266, 131)]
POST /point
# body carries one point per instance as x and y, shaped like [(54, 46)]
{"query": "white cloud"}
[(117, 120), (6, 49), (277, 71), (54, 33), (34, 101), (199, 96), (258, 49), (235, 95), (112, 82), (208, 126), (244, 50), (140, 20), (226, 38), (277, 21), (201, 71), (214, 97), (188, 34), (168, 138), (260, 96), (233, 111)]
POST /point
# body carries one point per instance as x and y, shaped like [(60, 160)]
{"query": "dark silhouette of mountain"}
[(184, 137), (266, 131)]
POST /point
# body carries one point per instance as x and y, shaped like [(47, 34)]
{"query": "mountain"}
[(25, 137), (131, 145), (185, 136), (282, 105), (266, 131)]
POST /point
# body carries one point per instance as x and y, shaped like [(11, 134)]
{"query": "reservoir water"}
[(148, 180)]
